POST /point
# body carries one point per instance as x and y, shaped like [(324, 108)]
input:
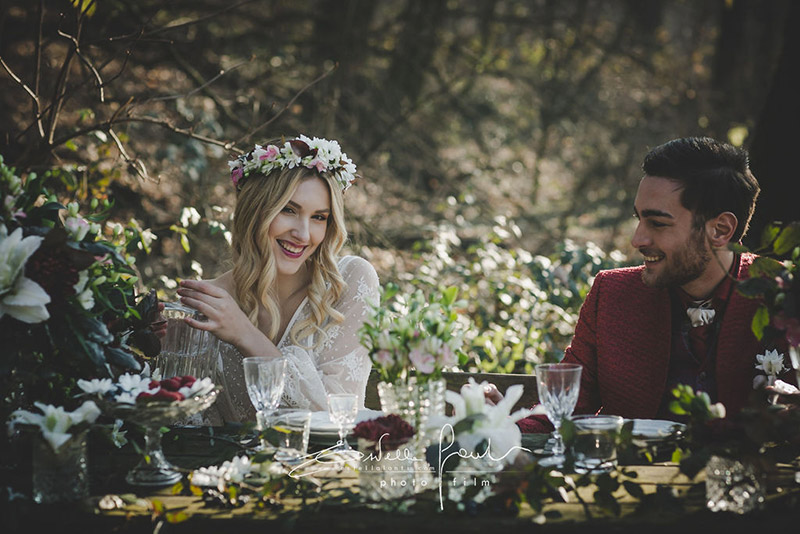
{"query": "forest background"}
[(499, 143)]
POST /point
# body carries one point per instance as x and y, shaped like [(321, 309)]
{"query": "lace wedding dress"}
[(338, 364)]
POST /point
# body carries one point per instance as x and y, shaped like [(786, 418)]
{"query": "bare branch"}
[(86, 62), (183, 24), (31, 93), (135, 163), (37, 70), (107, 125), (288, 104)]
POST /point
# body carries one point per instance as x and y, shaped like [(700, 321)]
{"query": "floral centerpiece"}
[(773, 277), (411, 339), (56, 425), (414, 335), (68, 305), (479, 440), (60, 471)]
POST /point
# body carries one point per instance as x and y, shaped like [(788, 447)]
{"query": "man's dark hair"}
[(715, 178)]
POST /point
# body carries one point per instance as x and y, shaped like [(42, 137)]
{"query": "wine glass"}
[(343, 409), (558, 386), (264, 378)]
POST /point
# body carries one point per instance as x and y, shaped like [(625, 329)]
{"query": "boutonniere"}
[(771, 362)]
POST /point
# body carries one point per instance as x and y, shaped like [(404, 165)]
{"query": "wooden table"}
[(192, 448)]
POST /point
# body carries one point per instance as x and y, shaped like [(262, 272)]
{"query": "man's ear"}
[(721, 228)]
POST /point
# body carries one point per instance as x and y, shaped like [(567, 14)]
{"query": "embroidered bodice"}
[(337, 364)]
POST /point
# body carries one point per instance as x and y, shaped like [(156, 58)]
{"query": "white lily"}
[(498, 427), (55, 421), (20, 297)]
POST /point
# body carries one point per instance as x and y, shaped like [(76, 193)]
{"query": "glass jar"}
[(60, 475)]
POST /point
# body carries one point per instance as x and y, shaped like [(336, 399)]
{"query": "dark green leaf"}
[(787, 239), (123, 359)]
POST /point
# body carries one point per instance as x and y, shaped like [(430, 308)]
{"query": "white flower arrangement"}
[(55, 423), (237, 470), (321, 154), (495, 426), (130, 387)]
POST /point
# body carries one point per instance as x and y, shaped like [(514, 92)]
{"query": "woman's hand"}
[(224, 317)]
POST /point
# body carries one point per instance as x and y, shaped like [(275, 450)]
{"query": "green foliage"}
[(82, 282), (524, 308), (773, 278)]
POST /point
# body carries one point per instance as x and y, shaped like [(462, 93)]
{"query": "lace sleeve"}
[(339, 363)]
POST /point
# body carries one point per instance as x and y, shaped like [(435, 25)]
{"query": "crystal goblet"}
[(264, 378), (343, 409), (558, 386)]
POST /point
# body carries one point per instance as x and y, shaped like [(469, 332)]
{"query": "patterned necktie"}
[(701, 313)]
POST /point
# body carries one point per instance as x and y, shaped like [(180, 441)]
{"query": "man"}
[(677, 318)]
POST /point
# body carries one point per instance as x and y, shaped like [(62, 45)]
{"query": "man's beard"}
[(684, 265)]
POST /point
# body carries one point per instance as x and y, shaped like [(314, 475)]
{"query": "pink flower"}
[(384, 358), (423, 361), (447, 357), (271, 153), (318, 164), (236, 175)]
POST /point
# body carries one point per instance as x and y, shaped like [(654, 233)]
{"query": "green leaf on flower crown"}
[(760, 320), (788, 239)]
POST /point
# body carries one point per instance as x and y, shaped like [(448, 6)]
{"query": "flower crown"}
[(320, 154)]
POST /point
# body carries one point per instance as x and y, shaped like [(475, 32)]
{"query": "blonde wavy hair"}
[(259, 200)]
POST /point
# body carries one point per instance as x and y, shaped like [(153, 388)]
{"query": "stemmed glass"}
[(343, 409), (264, 378), (558, 386)]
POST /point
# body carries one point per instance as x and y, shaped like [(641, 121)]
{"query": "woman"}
[(289, 294)]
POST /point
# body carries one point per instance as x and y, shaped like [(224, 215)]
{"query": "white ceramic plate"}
[(654, 429), (322, 426)]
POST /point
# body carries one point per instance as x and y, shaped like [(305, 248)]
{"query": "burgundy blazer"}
[(623, 339)]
